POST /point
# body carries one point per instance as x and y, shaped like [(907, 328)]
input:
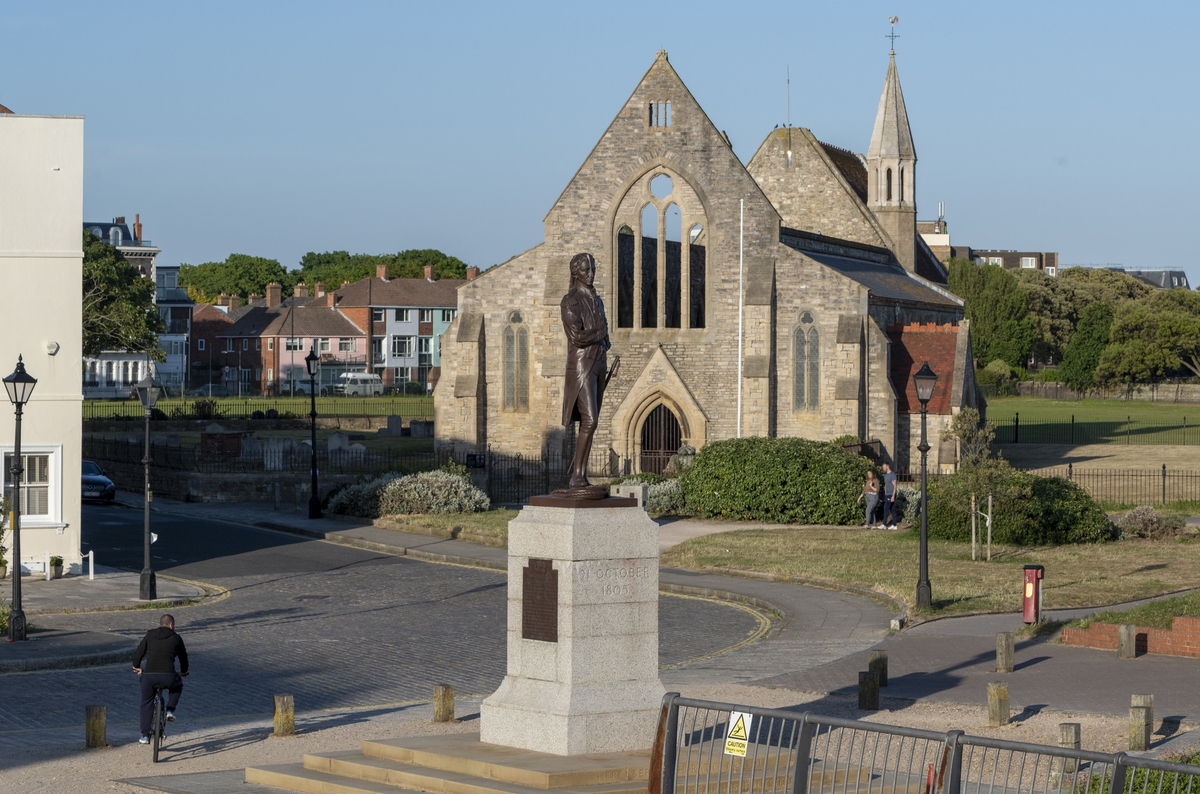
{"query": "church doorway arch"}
[(661, 438)]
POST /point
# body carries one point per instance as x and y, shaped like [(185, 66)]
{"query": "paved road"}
[(335, 626)]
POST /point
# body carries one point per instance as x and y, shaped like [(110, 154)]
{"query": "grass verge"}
[(1076, 576), (489, 528), (1037, 409), (1155, 615)]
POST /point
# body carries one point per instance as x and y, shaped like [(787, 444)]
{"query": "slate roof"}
[(402, 292), (301, 319), (892, 136), (850, 166), (872, 267)]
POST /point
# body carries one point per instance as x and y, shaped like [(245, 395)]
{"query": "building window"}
[(403, 315), (258, 344), (889, 184), (293, 343), (516, 366), (270, 376), (806, 365), (346, 345), (448, 315), (402, 346), (377, 315), (1029, 262), (426, 315), (271, 343), (323, 345), (660, 114), (200, 344), (245, 344), (35, 484), (996, 260)]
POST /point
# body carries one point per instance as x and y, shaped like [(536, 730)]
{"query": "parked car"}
[(96, 484), (358, 384), (211, 390)]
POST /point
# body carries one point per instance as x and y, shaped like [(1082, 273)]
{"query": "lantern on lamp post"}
[(925, 380), (19, 386)]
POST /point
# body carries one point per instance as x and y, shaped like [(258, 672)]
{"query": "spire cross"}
[(893, 35)]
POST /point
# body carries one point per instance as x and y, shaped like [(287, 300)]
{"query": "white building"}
[(41, 274)]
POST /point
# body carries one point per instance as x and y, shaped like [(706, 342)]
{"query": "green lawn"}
[(1045, 421), (1037, 409), (1155, 615)]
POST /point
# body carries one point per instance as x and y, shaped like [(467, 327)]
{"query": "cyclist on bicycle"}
[(160, 647)]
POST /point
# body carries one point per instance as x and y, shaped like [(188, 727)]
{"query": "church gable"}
[(815, 187)]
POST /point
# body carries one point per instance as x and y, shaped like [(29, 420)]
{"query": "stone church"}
[(788, 297)]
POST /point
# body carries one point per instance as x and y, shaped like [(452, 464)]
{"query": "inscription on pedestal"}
[(539, 601)]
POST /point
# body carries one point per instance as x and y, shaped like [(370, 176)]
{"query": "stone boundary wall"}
[(1146, 392), (1182, 639), (198, 425)]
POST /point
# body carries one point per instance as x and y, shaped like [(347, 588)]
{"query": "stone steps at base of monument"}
[(353, 773)]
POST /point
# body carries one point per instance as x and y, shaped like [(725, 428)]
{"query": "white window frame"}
[(378, 315), (245, 344), (425, 315), (257, 343), (995, 260), (1051, 271), (54, 494), (448, 315), (345, 344), (323, 344), (403, 315), (294, 343), (402, 347), (200, 345), (270, 343), (1029, 263)]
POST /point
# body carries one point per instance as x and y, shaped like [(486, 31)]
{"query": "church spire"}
[(892, 169)]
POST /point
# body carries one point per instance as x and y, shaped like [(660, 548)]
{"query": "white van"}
[(359, 384)]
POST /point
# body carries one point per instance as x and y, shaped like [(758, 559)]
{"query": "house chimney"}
[(300, 290), (381, 271), (119, 219), (429, 272), (235, 302), (223, 299), (253, 298), (274, 295), (472, 273), (137, 227), (318, 289)]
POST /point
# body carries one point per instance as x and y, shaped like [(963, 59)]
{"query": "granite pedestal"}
[(589, 682)]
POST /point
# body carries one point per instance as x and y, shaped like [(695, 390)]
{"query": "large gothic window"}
[(516, 364), (806, 365)]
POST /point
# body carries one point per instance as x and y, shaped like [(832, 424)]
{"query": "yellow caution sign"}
[(738, 737)]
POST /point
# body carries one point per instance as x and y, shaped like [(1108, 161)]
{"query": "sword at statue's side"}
[(613, 370)]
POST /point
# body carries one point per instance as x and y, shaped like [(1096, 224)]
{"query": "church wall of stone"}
[(810, 194)]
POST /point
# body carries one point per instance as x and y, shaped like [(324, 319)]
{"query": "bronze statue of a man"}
[(587, 368)]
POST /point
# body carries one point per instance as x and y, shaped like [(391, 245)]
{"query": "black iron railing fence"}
[(1087, 431), (703, 746), (415, 407)]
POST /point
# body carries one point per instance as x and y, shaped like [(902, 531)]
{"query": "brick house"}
[(809, 253)]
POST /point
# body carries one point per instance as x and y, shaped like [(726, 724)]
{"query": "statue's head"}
[(583, 268)]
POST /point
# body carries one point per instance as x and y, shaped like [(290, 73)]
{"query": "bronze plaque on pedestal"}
[(539, 601)]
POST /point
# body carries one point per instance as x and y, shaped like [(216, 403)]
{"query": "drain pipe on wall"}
[(741, 308)]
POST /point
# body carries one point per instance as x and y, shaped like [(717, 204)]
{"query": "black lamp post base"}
[(148, 587), (314, 506), (16, 625), (924, 594)]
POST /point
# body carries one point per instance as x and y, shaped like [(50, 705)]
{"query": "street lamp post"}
[(310, 361), (19, 386), (925, 380), (147, 392)]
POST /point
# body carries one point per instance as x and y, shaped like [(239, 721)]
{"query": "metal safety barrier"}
[(704, 747)]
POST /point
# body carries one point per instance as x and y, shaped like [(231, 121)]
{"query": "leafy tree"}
[(239, 274), (973, 435), (1086, 346), (118, 303), (331, 268), (998, 310), (1110, 286), (1054, 307), (1152, 337)]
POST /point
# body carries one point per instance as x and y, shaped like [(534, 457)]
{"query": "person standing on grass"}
[(870, 492), (889, 497)]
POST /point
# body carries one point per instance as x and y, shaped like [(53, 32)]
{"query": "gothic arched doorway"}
[(661, 438)]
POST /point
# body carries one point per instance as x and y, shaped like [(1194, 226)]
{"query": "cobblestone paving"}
[(335, 627)]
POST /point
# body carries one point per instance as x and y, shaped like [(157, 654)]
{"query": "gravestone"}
[(395, 427), (338, 441)]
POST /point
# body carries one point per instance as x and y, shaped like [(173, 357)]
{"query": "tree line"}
[(1101, 327), (245, 275)]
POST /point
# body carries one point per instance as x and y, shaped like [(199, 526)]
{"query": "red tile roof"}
[(912, 346)]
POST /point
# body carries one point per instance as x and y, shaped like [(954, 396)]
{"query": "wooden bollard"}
[(997, 694), (443, 703), (1005, 650), (1139, 727), (96, 725), (285, 716), (1126, 641), (1069, 737), (868, 690), (877, 662)]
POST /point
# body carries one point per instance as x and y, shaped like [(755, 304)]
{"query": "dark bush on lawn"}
[(1028, 510), (780, 480)]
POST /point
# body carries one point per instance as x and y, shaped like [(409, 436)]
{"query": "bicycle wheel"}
[(156, 731)]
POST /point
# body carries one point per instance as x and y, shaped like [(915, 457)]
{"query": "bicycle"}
[(158, 726)]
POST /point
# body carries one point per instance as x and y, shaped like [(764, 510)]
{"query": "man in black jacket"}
[(160, 647)]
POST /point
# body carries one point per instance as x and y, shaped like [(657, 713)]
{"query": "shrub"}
[(781, 480), (909, 501), (846, 440), (1027, 509), (1145, 522), (205, 409), (431, 492), (457, 469), (361, 498), (413, 387), (666, 499), (645, 478)]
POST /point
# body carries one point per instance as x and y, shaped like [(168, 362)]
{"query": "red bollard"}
[(1032, 601)]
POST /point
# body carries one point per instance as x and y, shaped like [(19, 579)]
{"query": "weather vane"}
[(893, 35)]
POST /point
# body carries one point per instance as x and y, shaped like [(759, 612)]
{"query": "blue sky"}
[(278, 128)]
